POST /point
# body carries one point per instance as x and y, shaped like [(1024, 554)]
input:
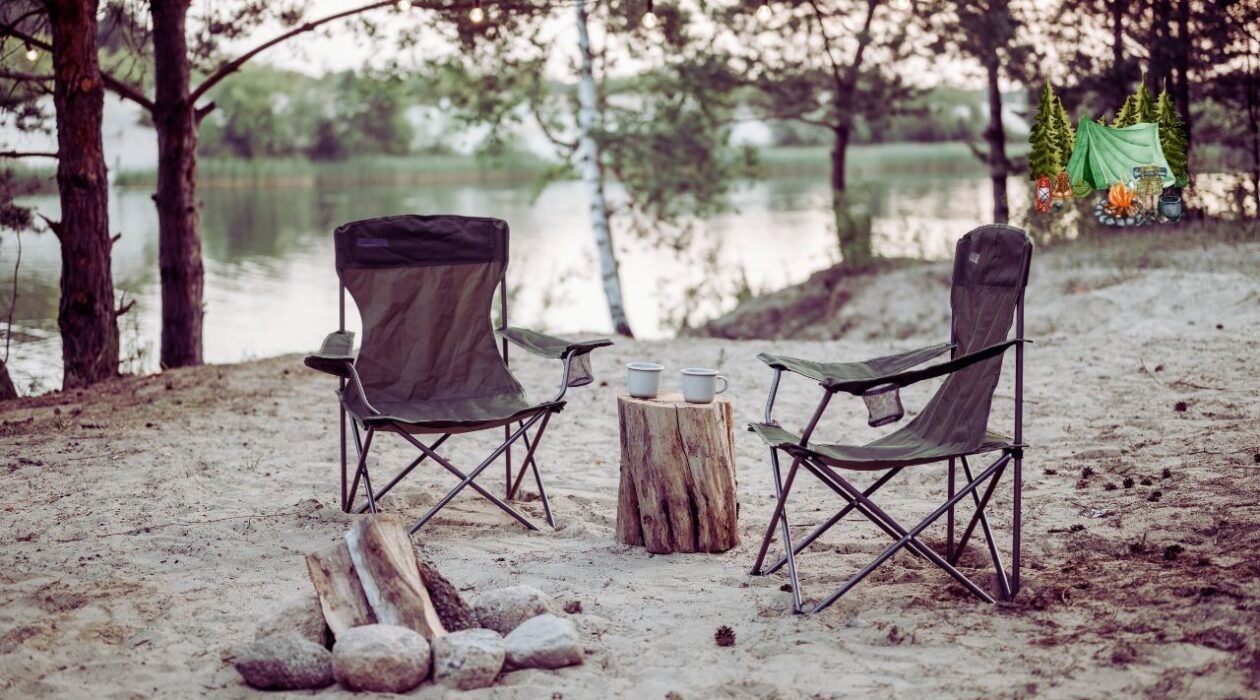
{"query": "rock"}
[(503, 609), (468, 659), (301, 616), (284, 662), (381, 658), (545, 641)]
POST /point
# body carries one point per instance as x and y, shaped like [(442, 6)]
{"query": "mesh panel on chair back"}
[(424, 286), (990, 272)]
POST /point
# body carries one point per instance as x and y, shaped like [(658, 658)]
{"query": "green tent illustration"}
[(1104, 156)]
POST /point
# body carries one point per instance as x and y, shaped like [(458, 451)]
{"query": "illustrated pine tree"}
[(1127, 116), (1044, 158), (1064, 132), (1144, 106), (1172, 138)]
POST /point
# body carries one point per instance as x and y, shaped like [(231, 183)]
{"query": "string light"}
[(764, 13), (32, 54), (649, 17), (404, 5), (476, 14)]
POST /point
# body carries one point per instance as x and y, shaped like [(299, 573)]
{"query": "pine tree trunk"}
[(995, 134), (89, 327), (593, 177), (1119, 80), (179, 223), (7, 390), (853, 229), (1181, 85)]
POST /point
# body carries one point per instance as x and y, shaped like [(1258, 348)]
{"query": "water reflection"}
[(271, 289)]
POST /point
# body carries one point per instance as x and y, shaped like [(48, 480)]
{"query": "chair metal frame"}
[(363, 442), (860, 500)]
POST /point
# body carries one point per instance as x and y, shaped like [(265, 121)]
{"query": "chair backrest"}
[(990, 272), (424, 286)]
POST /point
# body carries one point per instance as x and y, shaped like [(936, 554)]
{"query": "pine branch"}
[(28, 154), (115, 85)]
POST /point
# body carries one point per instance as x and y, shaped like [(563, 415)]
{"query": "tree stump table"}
[(677, 475)]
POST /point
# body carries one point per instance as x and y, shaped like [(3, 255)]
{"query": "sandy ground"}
[(150, 522)]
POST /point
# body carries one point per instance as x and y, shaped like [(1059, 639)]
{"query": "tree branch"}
[(28, 154), (232, 66), (115, 85), (25, 77)]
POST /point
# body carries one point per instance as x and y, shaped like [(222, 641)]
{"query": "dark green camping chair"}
[(429, 364), (990, 273)]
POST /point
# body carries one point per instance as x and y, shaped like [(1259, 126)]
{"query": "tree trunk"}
[(7, 390), (86, 318), (179, 223), (853, 227), (995, 134), (678, 488), (1181, 83), (1253, 122), (1119, 80), (593, 176)]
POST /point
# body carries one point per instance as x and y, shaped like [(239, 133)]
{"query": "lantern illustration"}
[(1043, 194)]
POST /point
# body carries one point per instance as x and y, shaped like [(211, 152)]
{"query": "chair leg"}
[(531, 463), (789, 555), (975, 519), (993, 470), (949, 517), (469, 479), (407, 470), (345, 505), (777, 515), (1004, 585), (831, 480), (1017, 522), (822, 529), (362, 448)]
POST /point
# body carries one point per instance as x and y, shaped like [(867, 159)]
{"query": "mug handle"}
[(725, 384)]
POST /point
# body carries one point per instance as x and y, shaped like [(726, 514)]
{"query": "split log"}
[(677, 475), (340, 593), (386, 566)]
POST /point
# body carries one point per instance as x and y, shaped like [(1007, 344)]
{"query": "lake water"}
[(271, 288)]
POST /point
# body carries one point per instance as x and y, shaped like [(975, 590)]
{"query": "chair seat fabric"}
[(902, 448), (447, 415)]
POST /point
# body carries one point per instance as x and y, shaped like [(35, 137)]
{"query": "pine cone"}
[(725, 636)]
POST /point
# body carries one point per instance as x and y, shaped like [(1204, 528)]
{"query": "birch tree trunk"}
[(593, 176)]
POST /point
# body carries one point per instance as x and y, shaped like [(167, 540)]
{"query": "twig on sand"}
[(1176, 382), (146, 528)]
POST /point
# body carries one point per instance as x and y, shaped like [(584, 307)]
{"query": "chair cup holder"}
[(883, 404)]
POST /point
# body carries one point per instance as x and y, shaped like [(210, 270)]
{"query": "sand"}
[(149, 523)]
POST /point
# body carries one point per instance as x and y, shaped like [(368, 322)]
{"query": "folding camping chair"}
[(990, 273), (429, 363)]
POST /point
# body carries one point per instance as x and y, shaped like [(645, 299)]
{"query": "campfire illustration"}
[(1122, 201)]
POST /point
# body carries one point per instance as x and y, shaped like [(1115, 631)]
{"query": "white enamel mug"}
[(643, 379), (699, 385)]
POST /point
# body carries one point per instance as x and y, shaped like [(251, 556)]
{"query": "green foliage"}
[(1065, 133), (1127, 116), (1144, 106), (1045, 157), (1172, 138)]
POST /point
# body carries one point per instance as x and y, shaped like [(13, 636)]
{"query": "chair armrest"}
[(550, 346), (335, 356), (903, 379), (855, 371)]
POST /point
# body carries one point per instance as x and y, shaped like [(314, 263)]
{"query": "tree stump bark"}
[(677, 475)]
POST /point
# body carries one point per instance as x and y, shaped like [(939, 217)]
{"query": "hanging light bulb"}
[(649, 17), (32, 54), (476, 14), (764, 12), (404, 5)]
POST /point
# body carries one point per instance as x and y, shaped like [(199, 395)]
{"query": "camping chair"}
[(429, 364), (990, 272)]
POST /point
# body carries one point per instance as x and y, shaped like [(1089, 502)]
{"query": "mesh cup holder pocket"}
[(580, 373), (883, 403)]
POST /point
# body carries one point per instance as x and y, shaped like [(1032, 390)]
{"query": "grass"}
[(952, 158)]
